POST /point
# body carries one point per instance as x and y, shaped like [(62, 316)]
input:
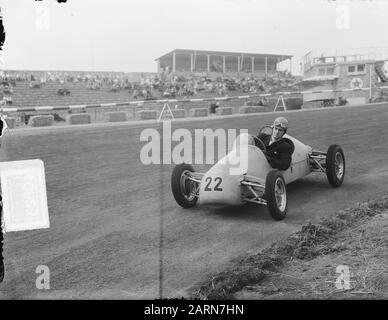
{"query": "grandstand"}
[(30, 88), (49, 88), (214, 63)]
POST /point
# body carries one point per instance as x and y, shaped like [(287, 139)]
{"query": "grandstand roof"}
[(281, 57)]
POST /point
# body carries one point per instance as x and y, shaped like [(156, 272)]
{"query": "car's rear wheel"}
[(276, 195), (183, 189), (335, 165)]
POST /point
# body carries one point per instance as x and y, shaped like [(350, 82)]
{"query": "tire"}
[(275, 181), (335, 165), (178, 187)]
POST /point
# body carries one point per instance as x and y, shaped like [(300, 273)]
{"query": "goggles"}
[(279, 128)]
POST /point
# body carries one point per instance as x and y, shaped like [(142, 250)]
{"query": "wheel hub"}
[(339, 165), (187, 186), (280, 194)]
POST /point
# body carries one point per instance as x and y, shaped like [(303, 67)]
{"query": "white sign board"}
[(23, 187)]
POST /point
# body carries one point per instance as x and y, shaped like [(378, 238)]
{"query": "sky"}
[(122, 35)]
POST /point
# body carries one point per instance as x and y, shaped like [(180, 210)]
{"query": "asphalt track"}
[(105, 206)]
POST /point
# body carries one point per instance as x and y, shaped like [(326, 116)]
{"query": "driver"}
[(278, 149)]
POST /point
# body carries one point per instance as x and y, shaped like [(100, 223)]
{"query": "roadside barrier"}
[(199, 112), (178, 113), (78, 118), (41, 121), (116, 116), (223, 111), (153, 114), (252, 109), (160, 101), (147, 115)]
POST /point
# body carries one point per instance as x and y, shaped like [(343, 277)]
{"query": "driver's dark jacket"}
[(278, 153)]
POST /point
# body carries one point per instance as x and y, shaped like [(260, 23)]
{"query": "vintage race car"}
[(258, 182)]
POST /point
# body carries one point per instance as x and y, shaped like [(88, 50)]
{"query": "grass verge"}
[(304, 265)]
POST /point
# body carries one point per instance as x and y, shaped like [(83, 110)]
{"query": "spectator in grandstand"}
[(34, 85), (43, 81), (135, 94), (149, 95), (63, 92), (96, 85), (7, 89), (8, 100), (115, 87)]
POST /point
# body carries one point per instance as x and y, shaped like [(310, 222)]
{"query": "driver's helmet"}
[(279, 127), (281, 123)]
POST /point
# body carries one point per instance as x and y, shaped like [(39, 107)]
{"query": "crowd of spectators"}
[(149, 87), (6, 91), (39, 79), (179, 86)]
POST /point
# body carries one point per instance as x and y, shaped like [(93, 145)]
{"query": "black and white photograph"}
[(224, 150)]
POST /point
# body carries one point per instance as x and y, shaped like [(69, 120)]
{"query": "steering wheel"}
[(260, 144)]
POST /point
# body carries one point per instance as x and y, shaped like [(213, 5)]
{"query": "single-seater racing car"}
[(259, 182)]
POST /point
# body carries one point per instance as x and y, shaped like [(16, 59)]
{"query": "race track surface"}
[(106, 206)]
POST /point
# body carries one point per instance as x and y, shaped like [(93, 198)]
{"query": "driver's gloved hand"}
[(268, 153)]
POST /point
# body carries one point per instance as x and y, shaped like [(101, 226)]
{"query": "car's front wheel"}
[(335, 165), (183, 189), (276, 195)]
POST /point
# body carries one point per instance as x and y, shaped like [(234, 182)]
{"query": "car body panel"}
[(300, 166), (219, 186)]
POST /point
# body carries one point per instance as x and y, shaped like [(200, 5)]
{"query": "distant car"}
[(259, 183)]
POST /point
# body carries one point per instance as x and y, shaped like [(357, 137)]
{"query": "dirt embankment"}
[(342, 257)]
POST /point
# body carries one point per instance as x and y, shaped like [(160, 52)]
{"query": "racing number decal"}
[(218, 181), (208, 180), (217, 187)]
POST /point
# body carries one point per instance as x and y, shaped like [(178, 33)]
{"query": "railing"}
[(4, 109)]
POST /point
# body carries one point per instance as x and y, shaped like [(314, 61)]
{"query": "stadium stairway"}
[(380, 72)]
